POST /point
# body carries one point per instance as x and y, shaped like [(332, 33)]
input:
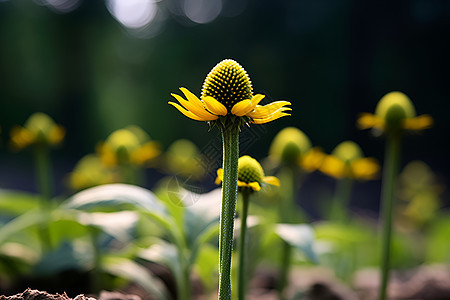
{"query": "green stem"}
[(285, 264), (391, 165), (242, 280), (229, 195), (43, 174), (341, 200), (45, 188)]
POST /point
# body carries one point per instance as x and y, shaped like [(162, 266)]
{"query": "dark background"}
[(331, 58)]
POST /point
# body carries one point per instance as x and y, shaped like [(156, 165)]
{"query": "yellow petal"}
[(219, 176), (257, 98), (215, 106), (242, 184), (188, 113), (270, 118), (21, 137), (333, 166), (367, 120), (242, 108), (192, 98), (56, 134), (418, 123), (365, 168), (272, 180), (265, 111), (255, 186), (312, 160), (199, 111)]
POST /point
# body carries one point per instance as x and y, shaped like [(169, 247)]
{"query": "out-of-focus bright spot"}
[(133, 14), (62, 6), (202, 11)]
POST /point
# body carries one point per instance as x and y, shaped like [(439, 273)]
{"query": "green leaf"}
[(17, 202), (132, 271), (300, 236), (115, 197), (30, 219)]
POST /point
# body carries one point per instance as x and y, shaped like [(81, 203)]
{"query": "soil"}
[(30, 294)]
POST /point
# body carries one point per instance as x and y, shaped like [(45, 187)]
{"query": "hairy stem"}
[(230, 136), (242, 278)]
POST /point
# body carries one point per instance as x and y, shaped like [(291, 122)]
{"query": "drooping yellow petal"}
[(257, 98), (197, 110), (261, 112), (333, 166), (271, 180), (219, 176), (270, 118), (215, 106), (21, 137), (255, 186), (242, 184), (242, 108), (312, 160), (365, 168), (418, 123), (368, 120), (56, 134), (192, 98), (190, 114)]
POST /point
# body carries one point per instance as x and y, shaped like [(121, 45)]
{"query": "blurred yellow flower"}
[(39, 129), (183, 158), (347, 160), (128, 145), (250, 175), (227, 92), (420, 192), (394, 112), (90, 171), (291, 147)]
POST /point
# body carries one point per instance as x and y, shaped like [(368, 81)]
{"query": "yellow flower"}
[(347, 160), (394, 112), (250, 175), (90, 171), (128, 145), (39, 129), (184, 158), (292, 147), (227, 92)]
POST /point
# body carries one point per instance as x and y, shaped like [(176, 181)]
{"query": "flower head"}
[(250, 175), (394, 113), (347, 160), (227, 94), (39, 129), (128, 145), (90, 171), (292, 147)]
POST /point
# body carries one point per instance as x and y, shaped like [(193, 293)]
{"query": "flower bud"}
[(289, 145)]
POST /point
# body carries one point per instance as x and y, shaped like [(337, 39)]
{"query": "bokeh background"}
[(97, 66)]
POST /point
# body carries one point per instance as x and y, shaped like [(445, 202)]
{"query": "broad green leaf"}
[(300, 236), (76, 254), (119, 225), (32, 218), (17, 202), (132, 271), (165, 254), (347, 233), (115, 197)]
